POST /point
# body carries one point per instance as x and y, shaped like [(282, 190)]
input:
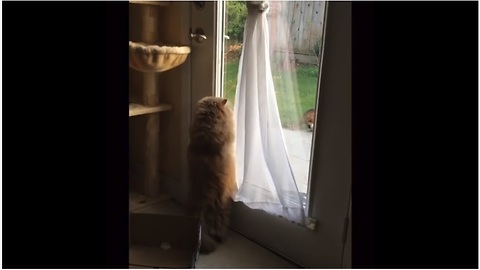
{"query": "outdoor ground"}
[(299, 143)]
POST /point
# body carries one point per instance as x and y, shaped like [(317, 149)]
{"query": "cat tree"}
[(148, 57)]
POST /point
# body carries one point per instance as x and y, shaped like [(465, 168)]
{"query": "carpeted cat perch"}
[(156, 58)]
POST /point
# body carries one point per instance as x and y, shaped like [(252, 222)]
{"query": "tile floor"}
[(239, 252)]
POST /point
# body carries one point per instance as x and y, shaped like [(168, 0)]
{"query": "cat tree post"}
[(148, 56), (151, 184)]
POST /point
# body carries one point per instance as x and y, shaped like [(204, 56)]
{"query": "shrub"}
[(236, 16)]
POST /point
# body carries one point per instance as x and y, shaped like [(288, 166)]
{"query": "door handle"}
[(199, 36)]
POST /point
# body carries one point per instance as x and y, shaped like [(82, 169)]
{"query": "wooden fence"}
[(297, 27)]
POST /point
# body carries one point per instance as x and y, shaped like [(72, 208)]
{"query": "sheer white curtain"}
[(264, 175)]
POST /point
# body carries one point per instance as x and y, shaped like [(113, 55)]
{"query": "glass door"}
[(307, 45)]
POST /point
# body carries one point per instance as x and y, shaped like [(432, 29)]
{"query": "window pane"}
[(295, 38)]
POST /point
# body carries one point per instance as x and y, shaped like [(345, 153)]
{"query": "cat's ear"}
[(224, 101)]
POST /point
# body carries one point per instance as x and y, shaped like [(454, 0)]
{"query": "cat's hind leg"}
[(224, 221), (208, 244)]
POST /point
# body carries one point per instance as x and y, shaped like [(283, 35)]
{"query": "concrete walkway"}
[(299, 144)]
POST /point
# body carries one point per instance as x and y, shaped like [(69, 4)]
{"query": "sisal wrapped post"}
[(151, 182)]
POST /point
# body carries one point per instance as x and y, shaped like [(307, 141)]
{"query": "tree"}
[(236, 16)]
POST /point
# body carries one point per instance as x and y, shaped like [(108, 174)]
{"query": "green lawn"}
[(292, 101)]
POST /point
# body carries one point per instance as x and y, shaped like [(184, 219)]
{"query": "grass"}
[(292, 99)]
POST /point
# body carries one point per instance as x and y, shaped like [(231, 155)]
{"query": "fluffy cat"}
[(212, 169)]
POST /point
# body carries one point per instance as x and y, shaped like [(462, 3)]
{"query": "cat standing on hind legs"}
[(211, 163)]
